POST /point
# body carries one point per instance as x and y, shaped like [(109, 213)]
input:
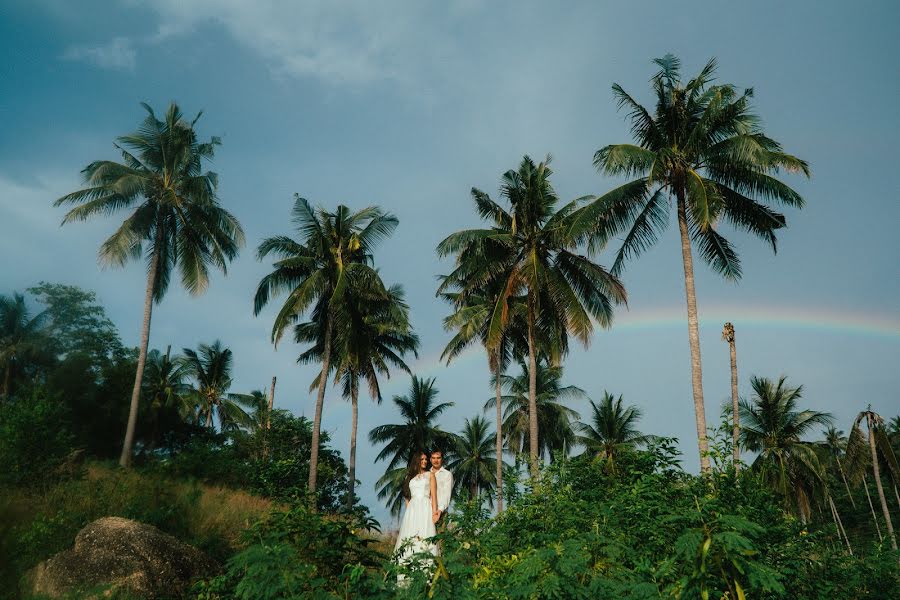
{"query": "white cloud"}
[(119, 53)]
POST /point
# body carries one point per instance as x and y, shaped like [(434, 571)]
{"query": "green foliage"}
[(35, 438)]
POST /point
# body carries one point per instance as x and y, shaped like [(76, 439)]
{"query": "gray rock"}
[(121, 555)]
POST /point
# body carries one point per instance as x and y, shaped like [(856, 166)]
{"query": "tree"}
[(210, 366), (703, 145), (474, 459), (728, 336), (835, 444), (879, 448), (174, 211), (166, 392), (555, 420), (532, 251), (21, 337), (375, 337), (774, 427), (332, 258), (418, 432), (612, 428)]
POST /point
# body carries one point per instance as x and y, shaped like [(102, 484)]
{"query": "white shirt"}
[(444, 487)]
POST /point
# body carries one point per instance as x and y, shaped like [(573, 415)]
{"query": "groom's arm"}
[(446, 488)]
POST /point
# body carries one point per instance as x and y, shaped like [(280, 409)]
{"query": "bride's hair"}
[(413, 469)]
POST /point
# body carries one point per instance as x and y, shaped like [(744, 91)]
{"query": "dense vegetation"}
[(552, 503)]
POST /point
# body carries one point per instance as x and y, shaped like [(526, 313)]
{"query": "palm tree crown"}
[(210, 366), (20, 336), (474, 459), (612, 427)]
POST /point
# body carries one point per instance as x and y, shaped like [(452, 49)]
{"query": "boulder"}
[(117, 554)]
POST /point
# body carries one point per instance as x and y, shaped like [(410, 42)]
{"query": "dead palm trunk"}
[(320, 401), (872, 508), (532, 392), (499, 436), (728, 336), (351, 465), (870, 420), (840, 524), (693, 334), (127, 445), (269, 419)]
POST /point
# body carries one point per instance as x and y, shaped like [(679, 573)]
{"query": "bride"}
[(417, 526)]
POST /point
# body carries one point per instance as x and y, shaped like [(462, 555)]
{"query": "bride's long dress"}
[(417, 526)]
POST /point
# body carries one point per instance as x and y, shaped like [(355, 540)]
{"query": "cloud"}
[(118, 54)]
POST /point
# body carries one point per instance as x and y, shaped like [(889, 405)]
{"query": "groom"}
[(444, 486)]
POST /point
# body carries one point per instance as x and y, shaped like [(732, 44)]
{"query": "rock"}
[(121, 555)]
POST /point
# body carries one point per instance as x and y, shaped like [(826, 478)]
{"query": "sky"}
[(408, 105)]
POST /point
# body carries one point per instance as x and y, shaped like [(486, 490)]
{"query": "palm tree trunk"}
[(877, 474), (269, 419), (317, 419), (735, 435), (532, 393), (844, 477), (872, 508), (499, 436), (840, 524), (351, 465), (693, 335), (125, 457)]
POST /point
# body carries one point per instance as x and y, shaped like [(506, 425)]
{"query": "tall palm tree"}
[(418, 431), (332, 258), (702, 145), (728, 336), (774, 427), (835, 444), (20, 336), (165, 389), (532, 251), (474, 459), (879, 449), (174, 211), (557, 422), (612, 427), (210, 366), (375, 337), (470, 322)]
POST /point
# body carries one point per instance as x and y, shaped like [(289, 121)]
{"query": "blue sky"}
[(410, 104)]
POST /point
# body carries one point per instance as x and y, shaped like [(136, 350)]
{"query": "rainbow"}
[(816, 319)]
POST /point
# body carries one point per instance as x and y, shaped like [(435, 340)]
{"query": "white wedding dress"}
[(417, 527)]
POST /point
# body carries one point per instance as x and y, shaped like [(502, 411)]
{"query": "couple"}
[(426, 489)]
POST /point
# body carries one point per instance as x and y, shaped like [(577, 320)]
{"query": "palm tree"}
[(774, 427), (835, 444), (332, 258), (375, 337), (728, 336), (612, 427), (470, 322), (556, 421), (474, 459), (532, 251), (418, 431), (165, 389), (20, 336), (256, 403), (174, 210), (210, 366), (879, 449), (703, 146)]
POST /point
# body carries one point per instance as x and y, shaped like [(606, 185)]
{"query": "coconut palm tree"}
[(470, 322), (20, 337), (210, 366), (835, 444), (879, 450), (774, 428), (728, 336), (474, 459), (703, 146), (532, 251), (612, 427), (165, 389), (375, 337), (418, 432), (175, 219), (332, 258), (557, 422)]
